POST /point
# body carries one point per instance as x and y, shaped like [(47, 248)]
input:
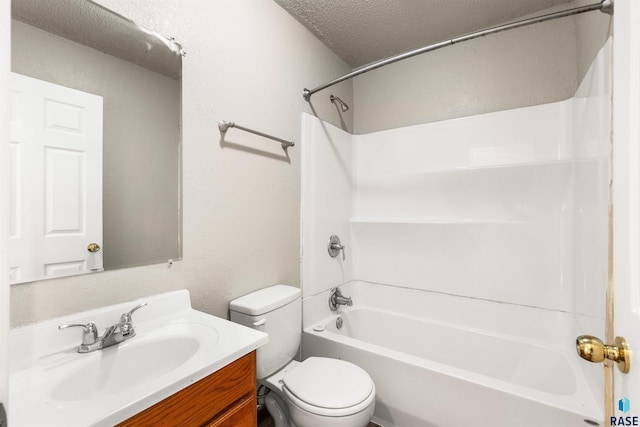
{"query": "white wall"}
[(247, 61)]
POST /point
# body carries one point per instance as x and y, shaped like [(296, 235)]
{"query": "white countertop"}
[(50, 384)]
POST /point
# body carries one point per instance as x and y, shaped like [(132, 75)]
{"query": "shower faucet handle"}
[(334, 247)]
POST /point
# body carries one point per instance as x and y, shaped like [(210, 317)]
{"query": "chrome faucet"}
[(336, 298), (114, 334)]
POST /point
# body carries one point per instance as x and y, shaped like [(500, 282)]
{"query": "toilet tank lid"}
[(265, 300)]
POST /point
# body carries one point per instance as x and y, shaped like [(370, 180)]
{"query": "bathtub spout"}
[(336, 298)]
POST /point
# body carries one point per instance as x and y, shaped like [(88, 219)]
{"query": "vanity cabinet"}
[(226, 398)]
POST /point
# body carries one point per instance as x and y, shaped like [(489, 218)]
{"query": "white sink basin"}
[(53, 385), (120, 368)]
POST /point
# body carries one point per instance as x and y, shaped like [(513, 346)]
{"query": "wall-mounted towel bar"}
[(224, 126)]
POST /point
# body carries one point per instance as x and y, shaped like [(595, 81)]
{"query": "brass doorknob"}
[(93, 247), (594, 350)]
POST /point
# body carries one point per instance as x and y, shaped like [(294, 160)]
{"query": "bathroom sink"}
[(131, 364), (52, 384)]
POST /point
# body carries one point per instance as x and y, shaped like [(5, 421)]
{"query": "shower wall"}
[(469, 207), (504, 200), (327, 190), (509, 207)]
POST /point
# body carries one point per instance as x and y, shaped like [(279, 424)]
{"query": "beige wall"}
[(141, 141), (247, 61), (592, 31), (532, 65)]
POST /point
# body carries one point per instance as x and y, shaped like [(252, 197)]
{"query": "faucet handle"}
[(89, 331), (126, 326), (335, 246), (126, 317)]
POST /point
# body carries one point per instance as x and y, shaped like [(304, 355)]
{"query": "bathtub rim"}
[(566, 402)]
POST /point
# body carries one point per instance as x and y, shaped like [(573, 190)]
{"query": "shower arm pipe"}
[(225, 125), (605, 6)]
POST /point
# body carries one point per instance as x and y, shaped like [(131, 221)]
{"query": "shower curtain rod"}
[(605, 6)]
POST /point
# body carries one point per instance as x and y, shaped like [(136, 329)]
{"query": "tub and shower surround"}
[(500, 210), (431, 369)]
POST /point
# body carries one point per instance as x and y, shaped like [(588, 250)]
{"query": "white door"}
[(626, 204), (5, 49), (56, 180)]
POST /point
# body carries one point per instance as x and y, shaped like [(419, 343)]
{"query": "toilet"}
[(317, 392)]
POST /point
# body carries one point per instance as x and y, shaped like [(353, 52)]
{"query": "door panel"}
[(5, 49), (56, 182), (626, 203)]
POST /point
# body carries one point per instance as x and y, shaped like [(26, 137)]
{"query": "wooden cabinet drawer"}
[(204, 400), (244, 414)]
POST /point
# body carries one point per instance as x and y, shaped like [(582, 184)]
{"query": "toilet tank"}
[(276, 310)]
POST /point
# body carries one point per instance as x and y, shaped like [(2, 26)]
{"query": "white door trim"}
[(5, 68), (626, 199)]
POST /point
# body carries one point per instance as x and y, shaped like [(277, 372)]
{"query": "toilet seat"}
[(329, 387)]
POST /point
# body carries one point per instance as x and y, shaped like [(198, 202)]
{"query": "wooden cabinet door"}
[(223, 395)]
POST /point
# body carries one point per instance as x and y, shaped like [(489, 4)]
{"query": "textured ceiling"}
[(363, 31), (90, 24)]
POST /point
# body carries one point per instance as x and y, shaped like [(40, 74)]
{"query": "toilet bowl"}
[(316, 392)]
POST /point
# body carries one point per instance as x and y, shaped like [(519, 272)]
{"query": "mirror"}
[(86, 77)]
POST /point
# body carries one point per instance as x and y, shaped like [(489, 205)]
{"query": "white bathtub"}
[(434, 373)]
